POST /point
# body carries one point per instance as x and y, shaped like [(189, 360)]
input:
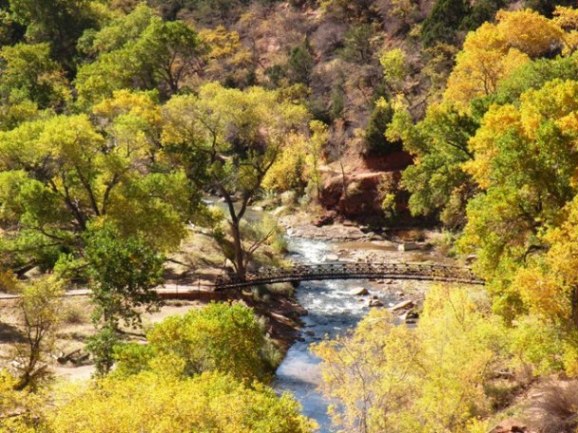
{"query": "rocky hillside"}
[(351, 62)]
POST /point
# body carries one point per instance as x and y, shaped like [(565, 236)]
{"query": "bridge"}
[(349, 271)]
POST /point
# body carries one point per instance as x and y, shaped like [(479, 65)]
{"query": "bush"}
[(219, 337)]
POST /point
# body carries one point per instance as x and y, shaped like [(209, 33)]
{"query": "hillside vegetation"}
[(118, 118)]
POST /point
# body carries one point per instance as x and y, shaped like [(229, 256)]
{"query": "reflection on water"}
[(332, 311)]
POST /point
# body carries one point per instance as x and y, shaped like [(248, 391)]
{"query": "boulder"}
[(403, 305), (375, 303), (408, 246), (360, 291), (410, 316), (326, 219)]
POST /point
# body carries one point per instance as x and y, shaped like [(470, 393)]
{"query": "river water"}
[(332, 311)]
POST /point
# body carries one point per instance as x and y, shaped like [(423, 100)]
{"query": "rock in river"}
[(360, 291)]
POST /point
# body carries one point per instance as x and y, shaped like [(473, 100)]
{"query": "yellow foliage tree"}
[(146, 402), (432, 379), (494, 51)]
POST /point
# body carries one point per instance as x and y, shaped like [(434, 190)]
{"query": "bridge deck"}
[(348, 271)]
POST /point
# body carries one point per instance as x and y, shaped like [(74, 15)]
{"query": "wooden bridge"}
[(350, 271)]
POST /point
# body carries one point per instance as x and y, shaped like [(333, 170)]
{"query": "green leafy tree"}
[(28, 73), (437, 182), (219, 337), (380, 118), (153, 54), (123, 273), (228, 140), (358, 46), (300, 64), (58, 22), (60, 173)]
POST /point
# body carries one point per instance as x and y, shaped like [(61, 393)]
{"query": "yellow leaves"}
[(529, 31), (288, 171), (567, 19), (126, 102), (206, 403), (430, 379), (224, 44), (485, 60), (494, 51), (498, 120), (394, 64), (541, 294)]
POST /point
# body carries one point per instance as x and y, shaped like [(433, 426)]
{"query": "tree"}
[(219, 337), (546, 7), (525, 163), (154, 54), (28, 73), (228, 140), (60, 174), (380, 118), (358, 47), (58, 22), (20, 410), (39, 306), (123, 273), (437, 182), (300, 64), (495, 51), (385, 377), (147, 402), (444, 20)]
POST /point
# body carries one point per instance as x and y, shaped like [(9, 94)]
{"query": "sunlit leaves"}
[(147, 402)]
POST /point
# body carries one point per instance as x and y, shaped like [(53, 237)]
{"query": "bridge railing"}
[(401, 270)]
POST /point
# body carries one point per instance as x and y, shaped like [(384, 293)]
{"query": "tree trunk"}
[(575, 307), (239, 251), (344, 187)]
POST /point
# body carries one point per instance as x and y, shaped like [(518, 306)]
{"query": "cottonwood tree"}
[(228, 140), (61, 173), (152, 54)]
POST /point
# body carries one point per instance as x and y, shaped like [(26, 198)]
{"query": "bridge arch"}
[(354, 270)]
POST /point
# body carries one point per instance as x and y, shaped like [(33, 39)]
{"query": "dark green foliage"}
[(301, 63), (533, 75), (10, 30), (123, 272), (101, 346), (59, 22), (482, 11), (207, 11), (546, 7), (337, 102), (357, 45), (275, 74), (445, 19), (375, 140)]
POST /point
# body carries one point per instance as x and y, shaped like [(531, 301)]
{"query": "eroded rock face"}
[(366, 181)]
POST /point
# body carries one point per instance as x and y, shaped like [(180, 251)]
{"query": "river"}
[(332, 311)]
